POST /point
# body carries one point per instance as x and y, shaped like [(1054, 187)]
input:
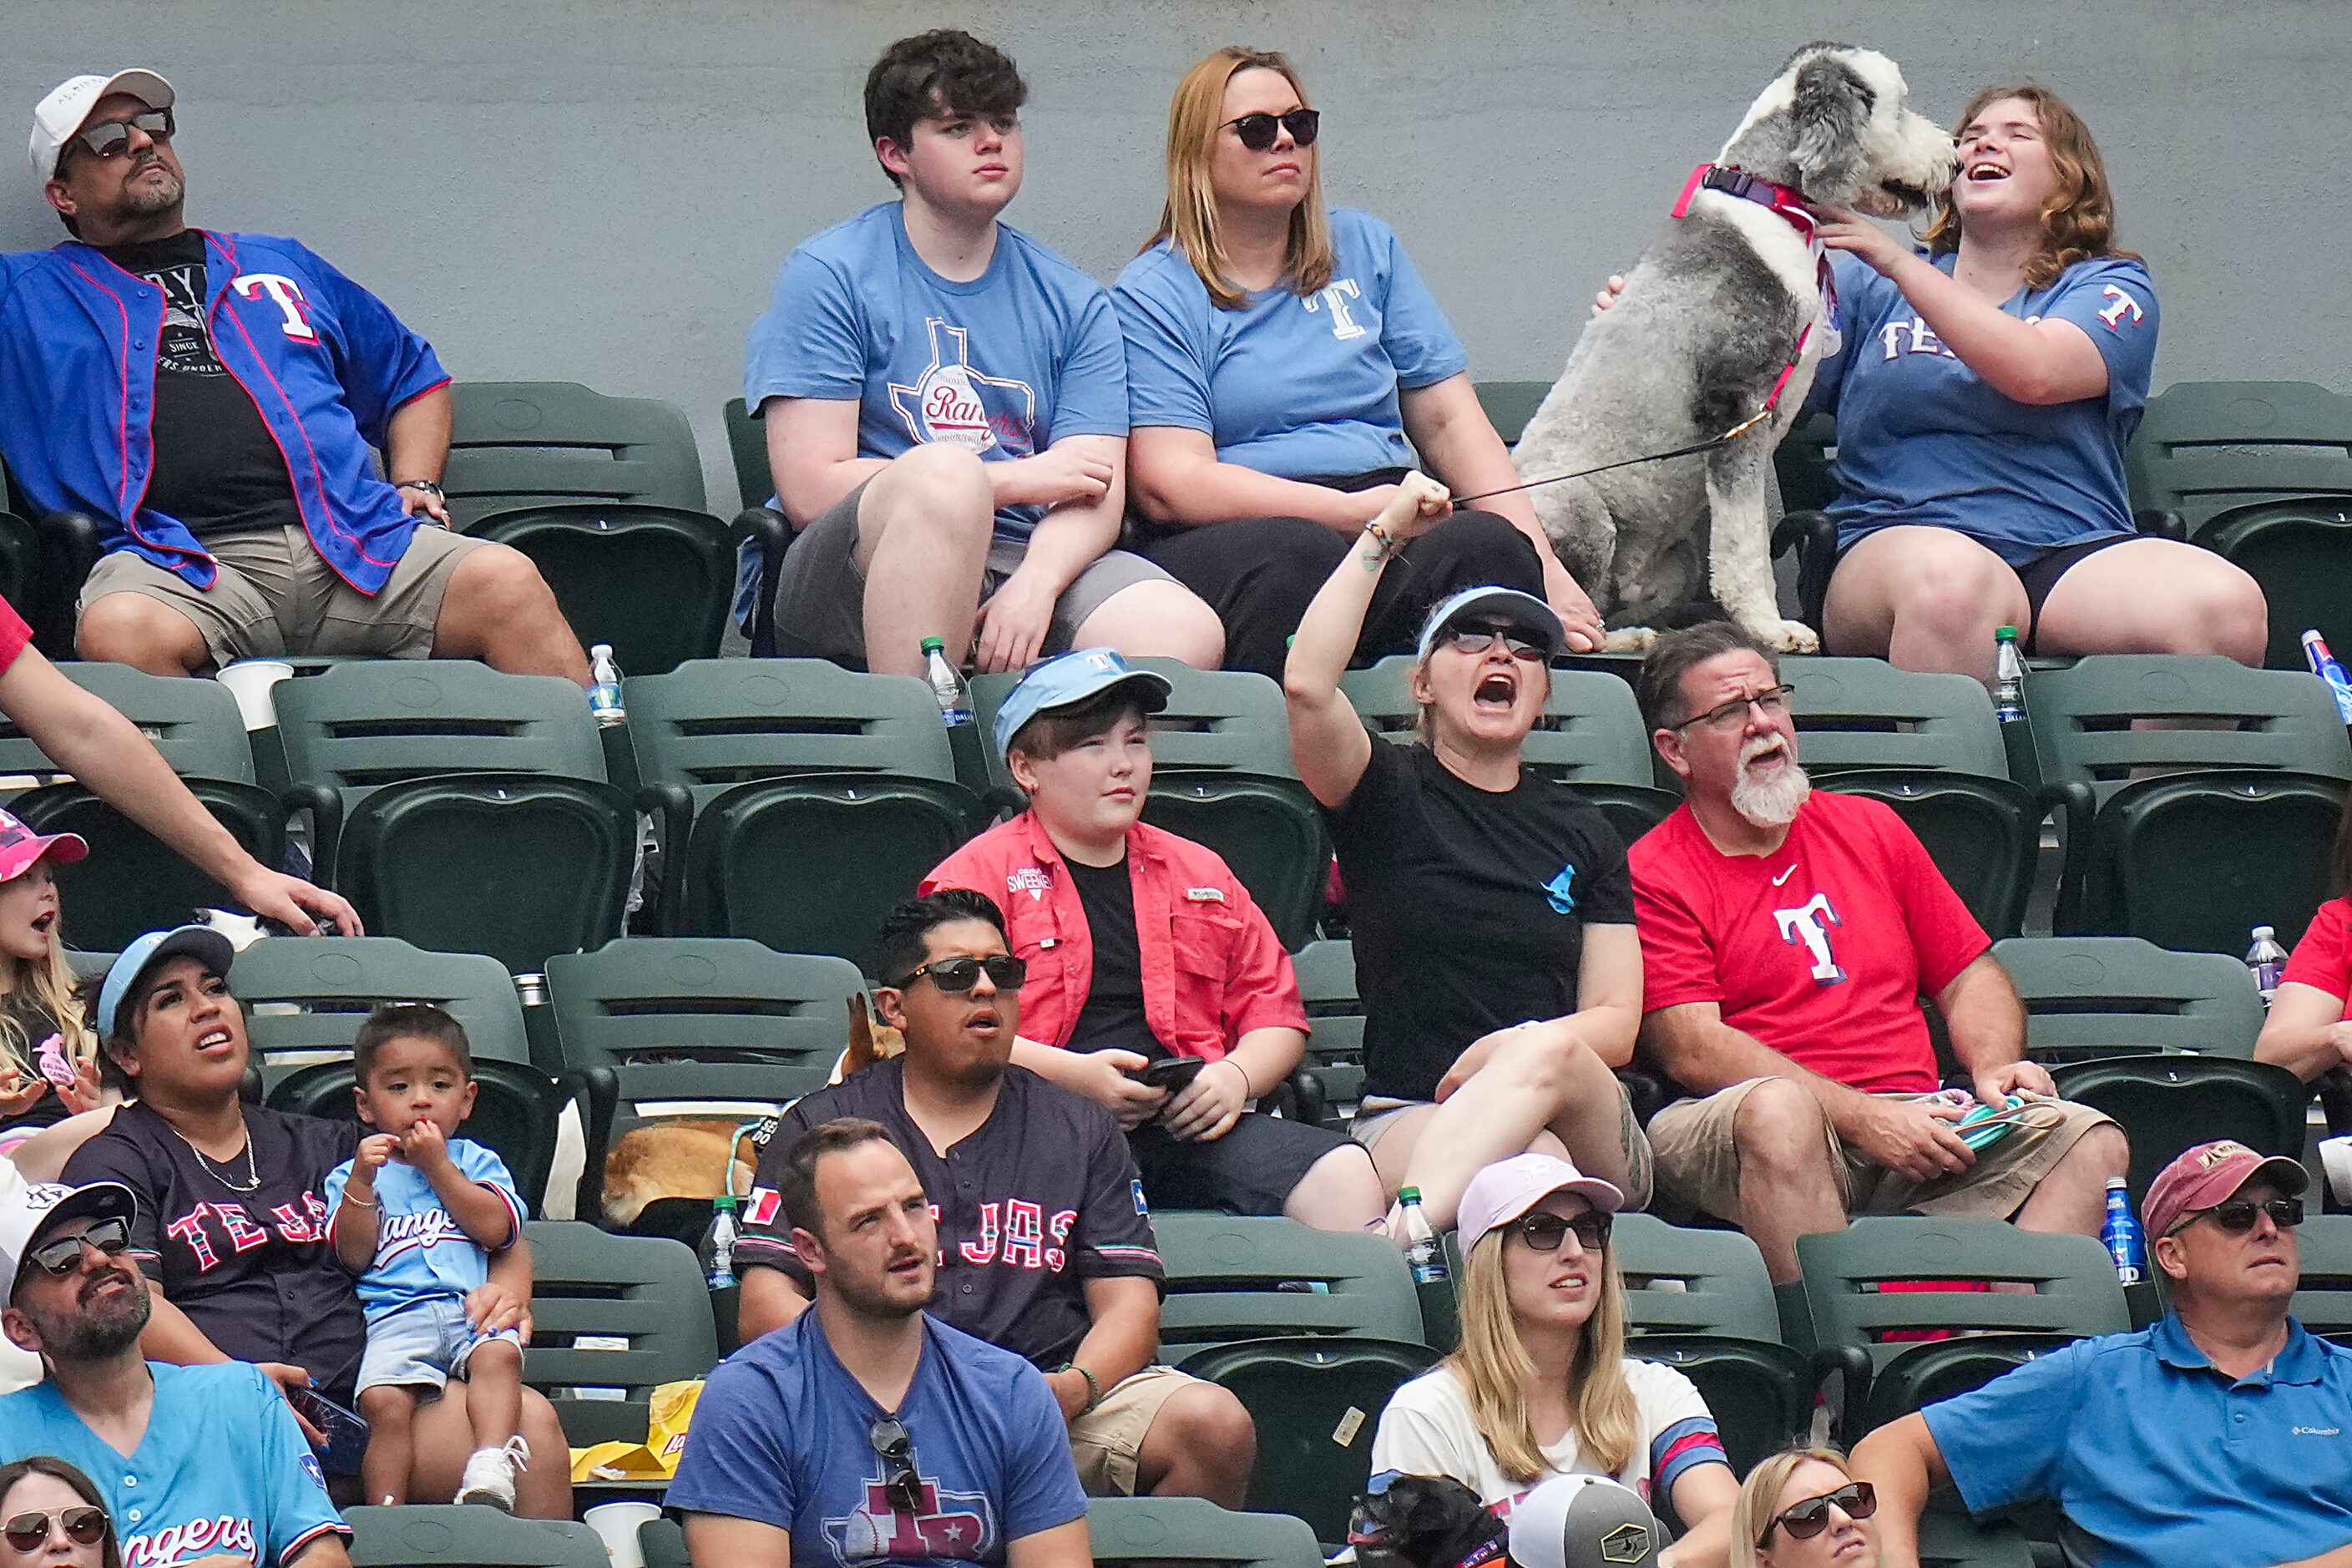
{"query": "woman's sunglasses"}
[(1257, 130), (63, 1255), (895, 1447), (1544, 1232), (2237, 1217), (957, 975), (85, 1526), (1478, 640), (1810, 1518), (109, 138)]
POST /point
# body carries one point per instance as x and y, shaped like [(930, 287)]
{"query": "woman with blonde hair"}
[(1285, 365), (1802, 1509), (1541, 1386)]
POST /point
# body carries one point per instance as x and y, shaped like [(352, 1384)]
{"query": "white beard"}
[(1774, 801)]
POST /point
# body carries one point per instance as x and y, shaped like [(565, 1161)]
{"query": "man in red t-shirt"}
[(1787, 938)]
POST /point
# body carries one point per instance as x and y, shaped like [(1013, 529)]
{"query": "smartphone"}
[(345, 1431), (1173, 1073)]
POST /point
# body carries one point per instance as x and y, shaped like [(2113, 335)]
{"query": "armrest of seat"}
[(325, 805), (772, 532), (1300, 1098), (2335, 1091), (2075, 805), (1851, 1363), (70, 544), (673, 808), (599, 1093), (1814, 536), (2157, 522)]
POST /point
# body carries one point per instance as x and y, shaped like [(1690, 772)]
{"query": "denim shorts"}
[(426, 1341)]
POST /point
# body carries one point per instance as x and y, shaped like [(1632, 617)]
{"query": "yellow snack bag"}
[(670, 1412)]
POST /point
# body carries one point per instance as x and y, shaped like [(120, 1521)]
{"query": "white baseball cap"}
[(1509, 1188), (61, 114), (44, 1203)]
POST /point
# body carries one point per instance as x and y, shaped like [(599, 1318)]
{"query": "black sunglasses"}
[(957, 975), (1257, 130), (1810, 1518), (1479, 638), (85, 1526), (2237, 1216), (109, 1235), (1544, 1232), (108, 138), (895, 1447)]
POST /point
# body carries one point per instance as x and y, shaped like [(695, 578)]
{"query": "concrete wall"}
[(597, 191)]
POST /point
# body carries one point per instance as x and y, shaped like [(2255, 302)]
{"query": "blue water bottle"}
[(2121, 1233), (2325, 665)]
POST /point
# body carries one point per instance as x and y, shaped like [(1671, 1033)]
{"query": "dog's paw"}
[(1629, 639), (1794, 637)]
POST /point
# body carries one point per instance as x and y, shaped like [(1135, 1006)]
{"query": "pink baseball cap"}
[(2208, 1174), (20, 846), (1509, 1188)]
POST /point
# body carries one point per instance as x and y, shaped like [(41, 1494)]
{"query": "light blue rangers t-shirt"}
[(420, 1249), (1019, 358), (1299, 386), (221, 1471), (1923, 440), (781, 1436)]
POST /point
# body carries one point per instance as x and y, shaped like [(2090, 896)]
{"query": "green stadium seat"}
[(1945, 1369), (1335, 1019), (640, 1304), (2092, 997), (651, 581), (2169, 1104), (1954, 1541), (535, 443), (305, 997), (1234, 1278), (2324, 1302), (1865, 714), (454, 1535), (515, 1113), (1185, 1530), (767, 528), (2205, 447)]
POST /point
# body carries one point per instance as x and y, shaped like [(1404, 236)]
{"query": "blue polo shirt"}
[(2156, 1459)]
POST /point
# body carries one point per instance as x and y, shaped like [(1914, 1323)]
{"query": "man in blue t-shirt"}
[(865, 1430), (2215, 1437), (946, 408)]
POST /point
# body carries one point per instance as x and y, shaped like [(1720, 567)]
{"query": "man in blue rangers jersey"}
[(217, 1466), (215, 402)]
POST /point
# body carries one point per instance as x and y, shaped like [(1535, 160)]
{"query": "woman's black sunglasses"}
[(896, 1447), (1810, 1518), (957, 975), (63, 1255), (1545, 1232), (85, 1526), (1257, 130)]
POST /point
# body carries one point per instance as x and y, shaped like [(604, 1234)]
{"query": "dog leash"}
[(1708, 444)]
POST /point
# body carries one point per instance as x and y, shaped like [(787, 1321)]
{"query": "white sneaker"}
[(490, 1475), (2335, 1162)]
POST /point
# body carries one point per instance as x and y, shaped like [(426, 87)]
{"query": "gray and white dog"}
[(1727, 305)]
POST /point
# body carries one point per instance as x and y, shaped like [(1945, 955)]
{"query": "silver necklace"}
[(252, 1175)]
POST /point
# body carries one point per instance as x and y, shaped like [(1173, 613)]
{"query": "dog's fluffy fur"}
[(1705, 326)]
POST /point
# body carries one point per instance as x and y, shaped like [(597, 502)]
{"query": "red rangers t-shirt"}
[(2323, 957), (1820, 950)]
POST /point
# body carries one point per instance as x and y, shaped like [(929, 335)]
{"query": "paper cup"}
[(615, 1524), (250, 680)]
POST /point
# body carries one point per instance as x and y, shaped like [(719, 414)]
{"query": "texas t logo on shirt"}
[(2120, 305), (1809, 925), (956, 403)]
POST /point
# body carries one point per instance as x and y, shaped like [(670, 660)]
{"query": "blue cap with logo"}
[(1508, 605), (1073, 679), (203, 943)]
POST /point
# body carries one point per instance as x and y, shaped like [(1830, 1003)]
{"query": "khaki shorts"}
[(1106, 1439), (275, 595), (1377, 1116), (1698, 1163)]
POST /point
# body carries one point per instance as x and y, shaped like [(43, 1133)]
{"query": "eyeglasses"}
[(2237, 1217), (1257, 130), (957, 975), (1544, 1232), (84, 1526), (1810, 1518), (109, 138), (1772, 702), (895, 1447), (63, 1255), (1479, 638)]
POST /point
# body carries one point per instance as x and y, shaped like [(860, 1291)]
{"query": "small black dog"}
[(1425, 1522)]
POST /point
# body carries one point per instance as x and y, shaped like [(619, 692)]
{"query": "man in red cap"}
[(2216, 1437)]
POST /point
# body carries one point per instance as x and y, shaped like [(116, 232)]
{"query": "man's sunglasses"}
[(1810, 1518), (1544, 1232), (895, 1447), (2237, 1217), (108, 138), (1478, 640), (63, 1255), (1772, 702), (1257, 130), (957, 975), (85, 1526)]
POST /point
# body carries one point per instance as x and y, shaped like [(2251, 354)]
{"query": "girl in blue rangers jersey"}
[(1983, 395)]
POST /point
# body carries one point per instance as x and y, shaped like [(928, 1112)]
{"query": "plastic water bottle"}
[(1423, 1255), (947, 684), (605, 696), (2325, 665), (2121, 1233), (717, 1249), (2266, 960), (2008, 676)]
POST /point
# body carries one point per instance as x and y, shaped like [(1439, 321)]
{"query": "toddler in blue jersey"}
[(416, 1213)]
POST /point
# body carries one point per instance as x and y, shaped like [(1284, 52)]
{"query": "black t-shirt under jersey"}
[(1468, 907), (1112, 1018), (217, 468)]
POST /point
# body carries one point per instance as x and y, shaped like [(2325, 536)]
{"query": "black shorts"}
[(2041, 574), (1250, 1171)]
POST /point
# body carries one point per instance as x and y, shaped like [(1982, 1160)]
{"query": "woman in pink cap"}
[(1541, 1386), (47, 1055)]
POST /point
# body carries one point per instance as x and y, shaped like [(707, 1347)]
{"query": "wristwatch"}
[(427, 485)]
